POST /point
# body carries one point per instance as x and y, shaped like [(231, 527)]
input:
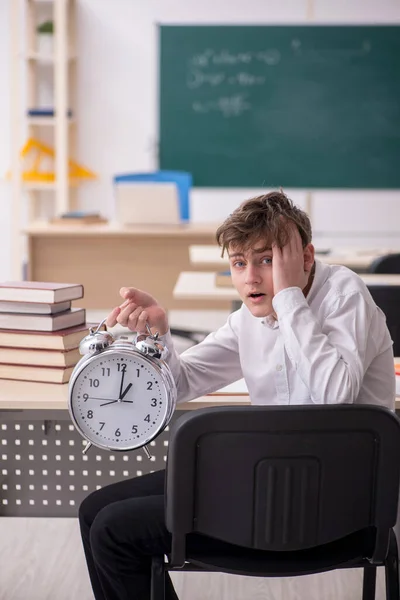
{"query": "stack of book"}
[(40, 331)]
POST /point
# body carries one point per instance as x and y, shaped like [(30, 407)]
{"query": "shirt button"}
[(279, 367)]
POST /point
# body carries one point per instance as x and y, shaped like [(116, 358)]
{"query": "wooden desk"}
[(192, 286), (104, 258), (44, 472), (357, 259), (376, 279), (195, 286), (24, 395)]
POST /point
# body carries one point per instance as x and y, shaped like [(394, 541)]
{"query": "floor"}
[(42, 558)]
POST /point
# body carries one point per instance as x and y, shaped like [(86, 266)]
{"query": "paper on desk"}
[(238, 387), (397, 385)]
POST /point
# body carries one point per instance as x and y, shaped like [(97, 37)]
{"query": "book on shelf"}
[(37, 357), (39, 291), (45, 112), (69, 318), (79, 218), (29, 373), (223, 279), (35, 308), (63, 339)]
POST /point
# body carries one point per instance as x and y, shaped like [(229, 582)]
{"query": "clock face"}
[(119, 400)]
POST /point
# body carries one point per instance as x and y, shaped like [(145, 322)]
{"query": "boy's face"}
[(252, 275), (251, 272)]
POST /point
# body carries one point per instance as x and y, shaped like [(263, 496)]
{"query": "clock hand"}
[(128, 387), (121, 386), (94, 398), (114, 401)]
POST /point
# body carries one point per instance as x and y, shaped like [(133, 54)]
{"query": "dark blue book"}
[(44, 112)]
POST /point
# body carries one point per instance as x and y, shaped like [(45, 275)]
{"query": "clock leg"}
[(86, 448), (147, 452)]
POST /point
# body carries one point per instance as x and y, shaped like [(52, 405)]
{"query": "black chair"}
[(193, 336), (387, 297), (283, 491), (389, 264)]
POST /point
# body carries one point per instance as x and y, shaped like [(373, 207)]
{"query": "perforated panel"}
[(43, 471)]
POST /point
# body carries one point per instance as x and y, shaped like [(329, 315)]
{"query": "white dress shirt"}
[(332, 347)]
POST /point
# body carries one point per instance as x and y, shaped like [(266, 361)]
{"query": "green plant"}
[(46, 27)]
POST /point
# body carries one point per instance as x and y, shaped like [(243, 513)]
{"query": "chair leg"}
[(392, 570), (369, 583), (157, 578)]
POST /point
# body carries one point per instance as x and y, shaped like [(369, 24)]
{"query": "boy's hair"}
[(265, 217)]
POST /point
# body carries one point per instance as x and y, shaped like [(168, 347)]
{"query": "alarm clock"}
[(121, 392)]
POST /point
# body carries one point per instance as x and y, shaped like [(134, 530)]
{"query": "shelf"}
[(45, 59), (46, 121), (38, 185), (50, 61), (45, 185)]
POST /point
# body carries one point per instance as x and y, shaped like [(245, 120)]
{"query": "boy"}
[(307, 333)]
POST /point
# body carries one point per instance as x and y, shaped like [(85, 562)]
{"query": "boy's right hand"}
[(138, 309)]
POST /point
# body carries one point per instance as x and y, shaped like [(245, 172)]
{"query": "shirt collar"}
[(320, 276)]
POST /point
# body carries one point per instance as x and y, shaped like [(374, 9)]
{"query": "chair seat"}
[(350, 551)]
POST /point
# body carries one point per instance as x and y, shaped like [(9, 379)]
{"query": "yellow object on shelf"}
[(43, 151)]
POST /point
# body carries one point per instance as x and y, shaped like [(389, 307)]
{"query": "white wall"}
[(5, 133), (117, 106)]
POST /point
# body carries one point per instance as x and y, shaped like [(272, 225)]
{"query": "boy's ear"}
[(309, 253)]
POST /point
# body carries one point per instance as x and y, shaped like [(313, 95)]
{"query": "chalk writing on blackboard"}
[(210, 57), (329, 54), (197, 78), (228, 106)]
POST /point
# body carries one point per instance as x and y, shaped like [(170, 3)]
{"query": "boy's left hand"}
[(288, 263)]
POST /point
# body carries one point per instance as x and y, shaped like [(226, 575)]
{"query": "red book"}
[(37, 291), (64, 339), (26, 322), (29, 373)]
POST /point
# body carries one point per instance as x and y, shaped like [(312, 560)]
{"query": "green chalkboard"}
[(292, 106)]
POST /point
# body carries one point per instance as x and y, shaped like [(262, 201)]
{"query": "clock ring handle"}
[(92, 331), (154, 336)]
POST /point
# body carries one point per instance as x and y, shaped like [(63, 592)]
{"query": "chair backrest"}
[(181, 179), (387, 297), (283, 478), (388, 264)]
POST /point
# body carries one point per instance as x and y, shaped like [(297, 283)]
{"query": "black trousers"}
[(122, 527)]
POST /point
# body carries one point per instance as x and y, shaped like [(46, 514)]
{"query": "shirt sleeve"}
[(207, 366), (329, 357)]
